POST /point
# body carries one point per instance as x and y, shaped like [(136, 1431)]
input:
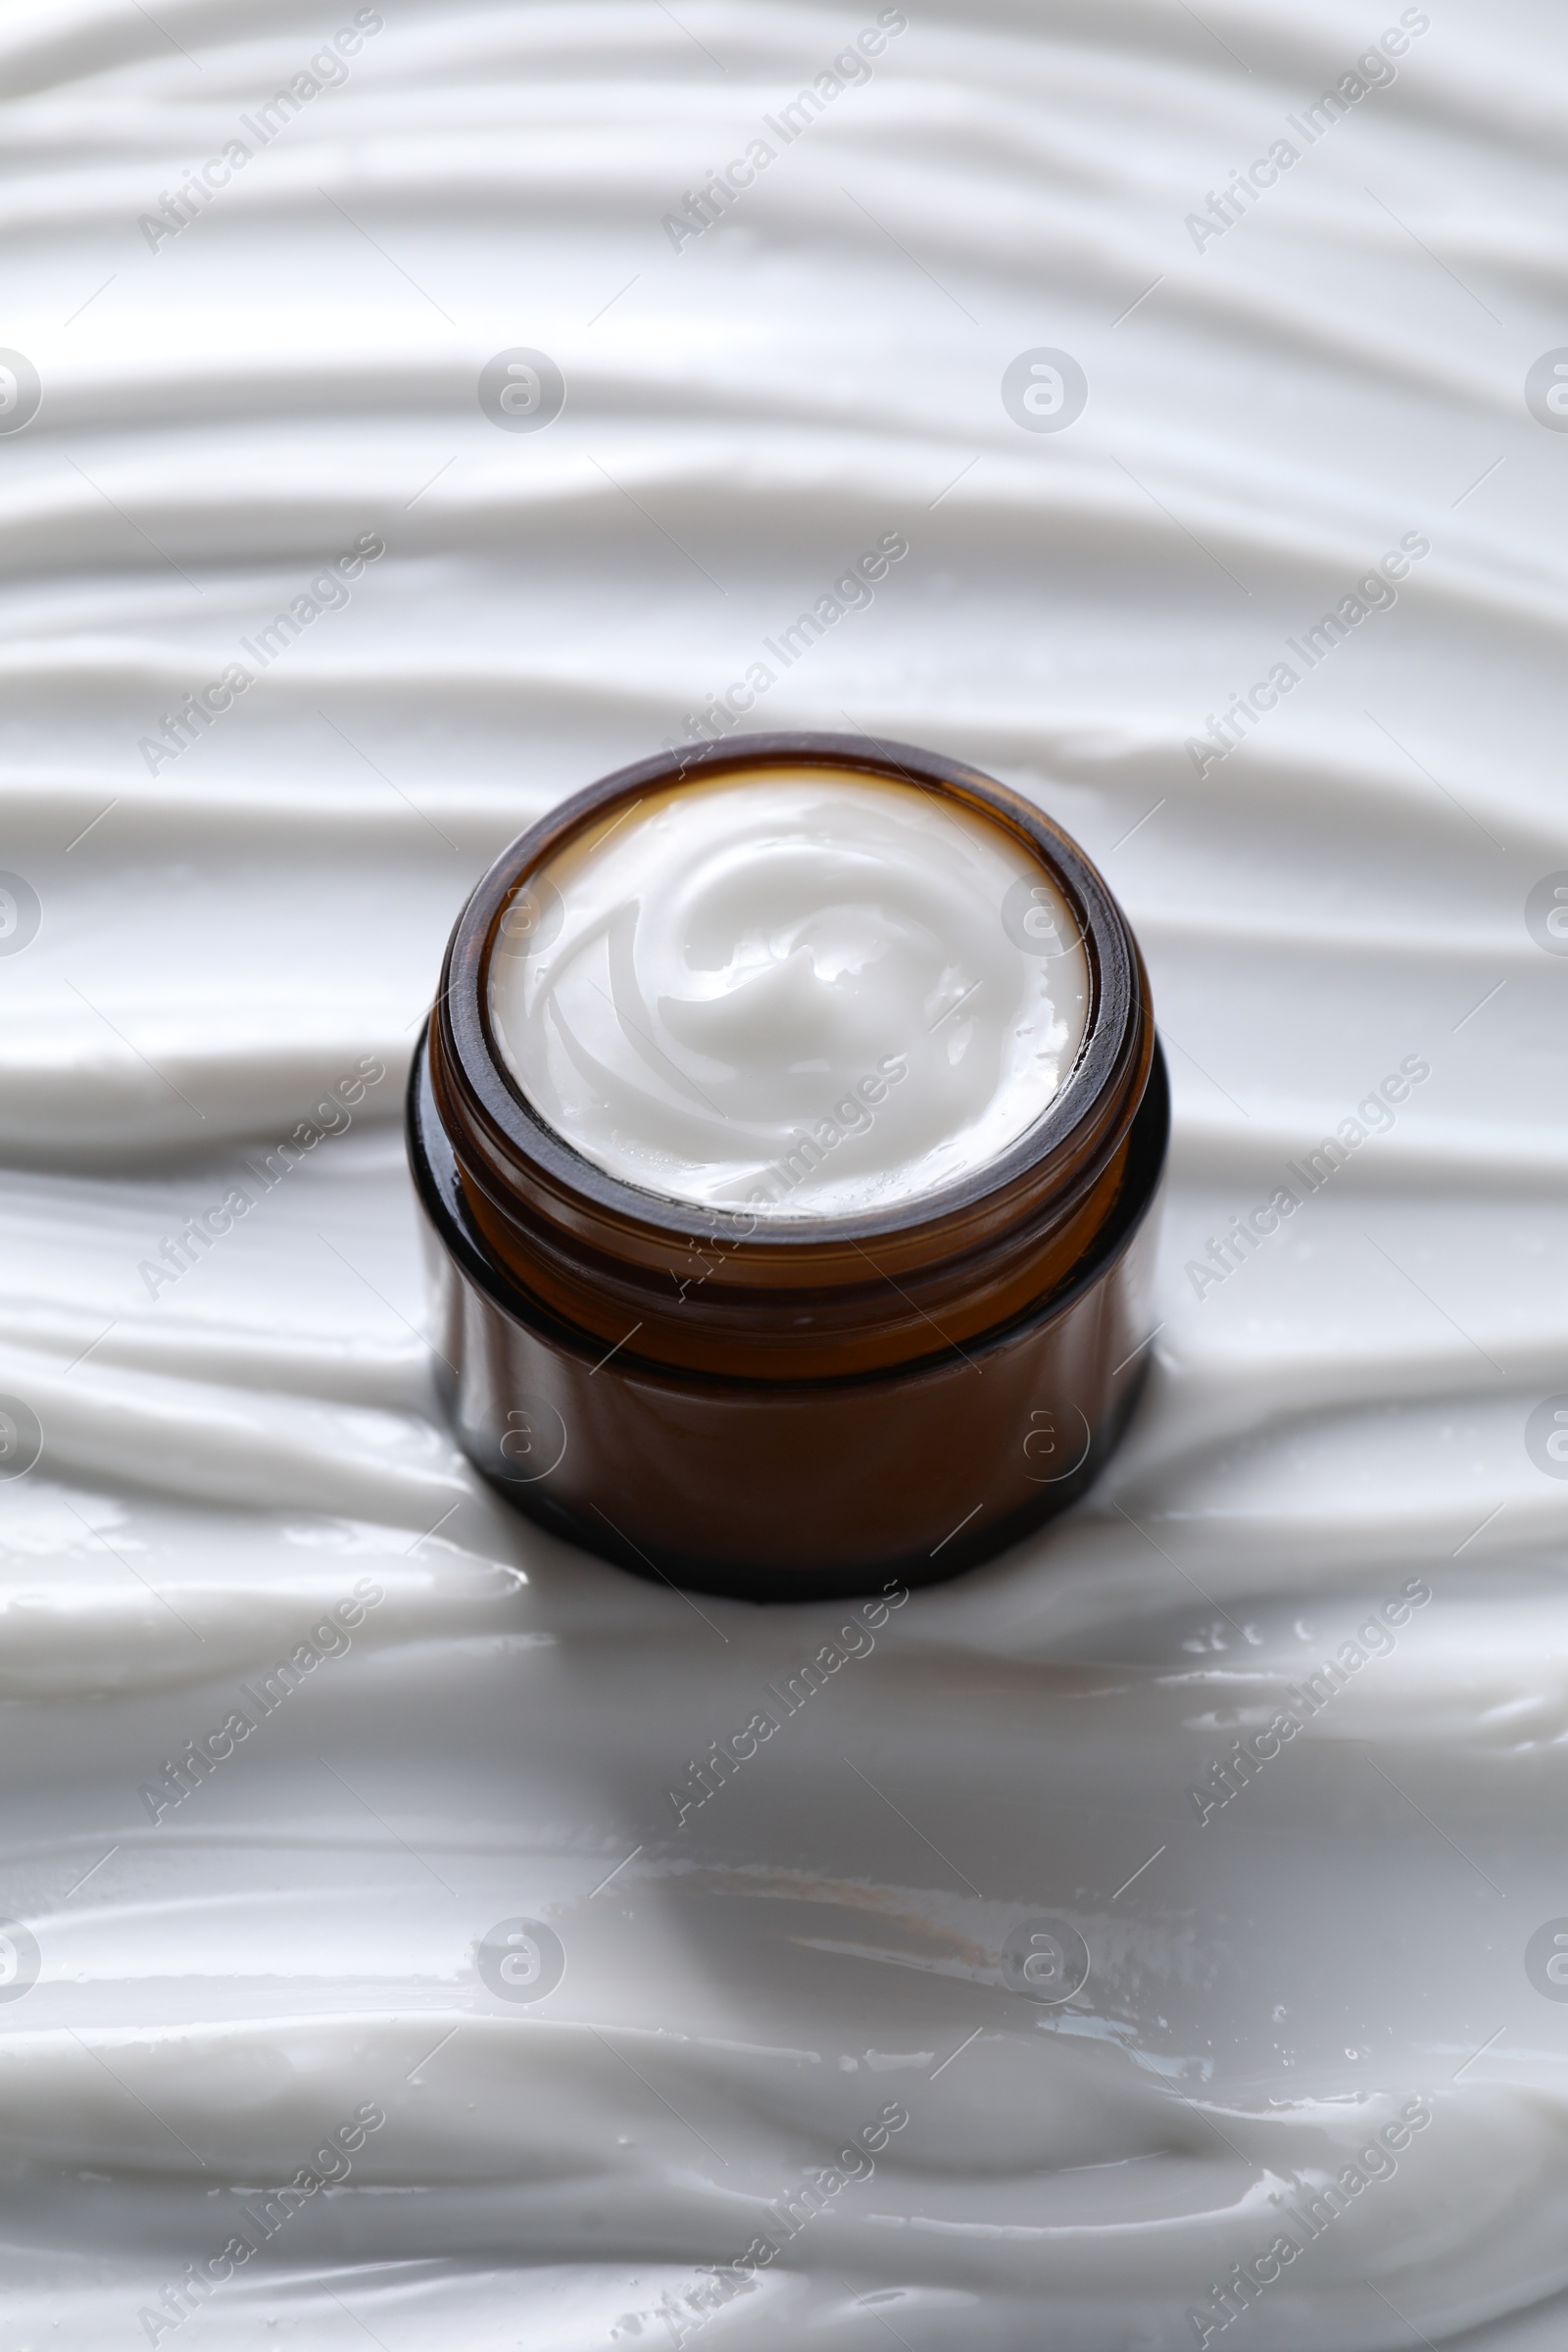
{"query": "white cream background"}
[(223, 940)]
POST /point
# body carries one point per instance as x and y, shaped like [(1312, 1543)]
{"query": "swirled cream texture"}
[(808, 992)]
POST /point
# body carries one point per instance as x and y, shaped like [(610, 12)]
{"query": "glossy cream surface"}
[(243, 1443), (801, 992)]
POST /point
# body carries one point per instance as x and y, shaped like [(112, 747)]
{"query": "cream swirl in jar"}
[(803, 991)]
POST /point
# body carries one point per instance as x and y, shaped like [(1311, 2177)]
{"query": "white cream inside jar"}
[(803, 991)]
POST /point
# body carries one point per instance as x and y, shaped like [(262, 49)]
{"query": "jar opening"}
[(794, 990), (711, 1286)]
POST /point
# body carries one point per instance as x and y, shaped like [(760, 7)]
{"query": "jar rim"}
[(438, 1184), (517, 1132)]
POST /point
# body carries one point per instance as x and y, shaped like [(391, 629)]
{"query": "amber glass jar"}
[(804, 1407)]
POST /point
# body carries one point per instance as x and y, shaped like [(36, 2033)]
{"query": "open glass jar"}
[(752, 1388)]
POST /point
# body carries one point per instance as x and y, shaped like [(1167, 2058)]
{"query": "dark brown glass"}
[(800, 1409)]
